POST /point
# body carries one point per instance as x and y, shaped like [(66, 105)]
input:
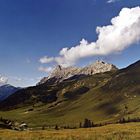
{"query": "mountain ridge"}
[(7, 90), (61, 73), (102, 97)]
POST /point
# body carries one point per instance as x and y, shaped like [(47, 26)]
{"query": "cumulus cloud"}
[(123, 31), (3, 80), (45, 69)]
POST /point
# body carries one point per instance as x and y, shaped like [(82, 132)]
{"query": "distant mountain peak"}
[(61, 73), (6, 90), (98, 67)]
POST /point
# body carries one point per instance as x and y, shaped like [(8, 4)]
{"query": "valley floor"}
[(130, 131)]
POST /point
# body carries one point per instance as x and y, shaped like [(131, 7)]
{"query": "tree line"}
[(87, 123)]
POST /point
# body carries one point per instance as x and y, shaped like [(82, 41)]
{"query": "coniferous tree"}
[(43, 127), (86, 123), (92, 124), (89, 123), (80, 125), (56, 127)]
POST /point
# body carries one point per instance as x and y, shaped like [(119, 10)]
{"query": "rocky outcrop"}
[(14, 125), (60, 73), (98, 67), (64, 73)]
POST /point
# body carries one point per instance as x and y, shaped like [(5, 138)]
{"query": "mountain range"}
[(60, 73), (6, 90), (67, 98)]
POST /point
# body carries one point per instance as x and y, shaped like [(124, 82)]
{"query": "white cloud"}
[(112, 1), (46, 59), (122, 33), (45, 69), (3, 80)]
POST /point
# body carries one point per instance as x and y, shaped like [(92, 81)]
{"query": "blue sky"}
[(31, 29)]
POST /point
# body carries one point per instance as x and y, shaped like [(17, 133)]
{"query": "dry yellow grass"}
[(129, 131)]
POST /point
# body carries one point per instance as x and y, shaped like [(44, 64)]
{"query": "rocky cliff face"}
[(98, 67), (64, 73), (60, 73)]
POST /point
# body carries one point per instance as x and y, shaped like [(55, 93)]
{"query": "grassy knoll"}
[(129, 131)]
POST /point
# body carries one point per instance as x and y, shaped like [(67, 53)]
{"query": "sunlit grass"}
[(129, 131)]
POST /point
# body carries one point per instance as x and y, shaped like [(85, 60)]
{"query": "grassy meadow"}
[(130, 131)]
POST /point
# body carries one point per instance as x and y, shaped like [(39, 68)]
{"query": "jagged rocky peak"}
[(61, 73), (98, 67), (58, 68), (64, 72)]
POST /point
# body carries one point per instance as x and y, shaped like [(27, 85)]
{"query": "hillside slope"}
[(101, 97)]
